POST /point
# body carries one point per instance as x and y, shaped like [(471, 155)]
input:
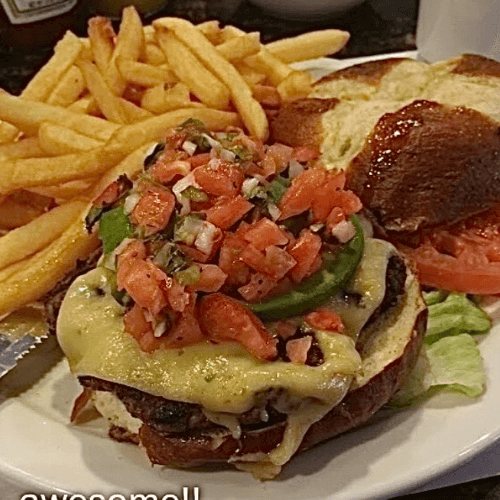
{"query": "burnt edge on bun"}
[(179, 434)]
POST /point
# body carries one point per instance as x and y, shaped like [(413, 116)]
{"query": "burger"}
[(240, 312)]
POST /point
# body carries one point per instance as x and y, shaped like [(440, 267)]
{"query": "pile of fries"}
[(98, 105)]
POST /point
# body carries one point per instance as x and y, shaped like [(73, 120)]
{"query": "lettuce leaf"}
[(450, 358)]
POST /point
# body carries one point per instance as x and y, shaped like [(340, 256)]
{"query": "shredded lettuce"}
[(450, 358)]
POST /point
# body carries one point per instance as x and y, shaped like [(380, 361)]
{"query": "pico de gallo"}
[(222, 238)]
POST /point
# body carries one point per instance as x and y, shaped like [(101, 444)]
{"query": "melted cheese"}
[(223, 378)]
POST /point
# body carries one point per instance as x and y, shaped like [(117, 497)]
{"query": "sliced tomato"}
[(200, 159), (224, 319), (304, 250), (328, 196), (325, 319), (153, 210), (178, 297), (228, 212), (277, 155), (220, 178), (265, 233), (463, 258)]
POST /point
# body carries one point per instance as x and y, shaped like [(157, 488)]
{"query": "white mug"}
[(448, 28)]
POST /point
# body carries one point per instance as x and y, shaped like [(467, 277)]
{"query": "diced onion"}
[(316, 227), (344, 231), (189, 147), (248, 186), (227, 155), (160, 328), (179, 187), (130, 202), (205, 239), (294, 169), (274, 211), (212, 142)]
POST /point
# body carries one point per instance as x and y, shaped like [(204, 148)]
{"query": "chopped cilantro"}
[(114, 227)]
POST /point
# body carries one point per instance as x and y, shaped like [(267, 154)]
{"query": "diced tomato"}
[(135, 250), (267, 95), (257, 288), (265, 233), (135, 322), (225, 319), (227, 213), (200, 159), (281, 155), (325, 319), (336, 215), (144, 283), (113, 191), (285, 328), (305, 250), (186, 330), (178, 297), (164, 172), (220, 178), (154, 209), (149, 343), (303, 154), (275, 263), (299, 196), (211, 279), (328, 196), (297, 349), (229, 260)]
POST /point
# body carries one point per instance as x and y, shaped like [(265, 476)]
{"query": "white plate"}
[(41, 451)]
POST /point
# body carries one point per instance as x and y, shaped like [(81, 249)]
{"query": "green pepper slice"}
[(321, 286)]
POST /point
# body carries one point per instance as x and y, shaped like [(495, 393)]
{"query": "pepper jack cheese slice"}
[(223, 378)]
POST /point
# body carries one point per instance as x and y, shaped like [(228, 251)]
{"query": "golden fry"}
[(133, 112), (7, 132), (33, 172), (264, 62), (101, 37), (37, 234), (36, 275), (68, 90), (240, 47), (129, 45), (67, 191), (250, 110), (65, 54), (131, 137), (211, 30), (29, 115), (296, 85), (201, 82), (154, 55), (24, 148), (144, 75), (85, 105), (158, 100), (309, 45), (107, 101), (58, 140), (248, 74), (16, 211)]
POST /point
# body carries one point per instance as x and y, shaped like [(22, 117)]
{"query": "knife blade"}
[(11, 351)]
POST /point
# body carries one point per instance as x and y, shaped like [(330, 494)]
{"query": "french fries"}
[(97, 107), (309, 45), (250, 110), (20, 243)]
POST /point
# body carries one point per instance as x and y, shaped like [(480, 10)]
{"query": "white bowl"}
[(305, 9)]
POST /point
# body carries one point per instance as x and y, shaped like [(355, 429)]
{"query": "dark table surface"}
[(376, 26)]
